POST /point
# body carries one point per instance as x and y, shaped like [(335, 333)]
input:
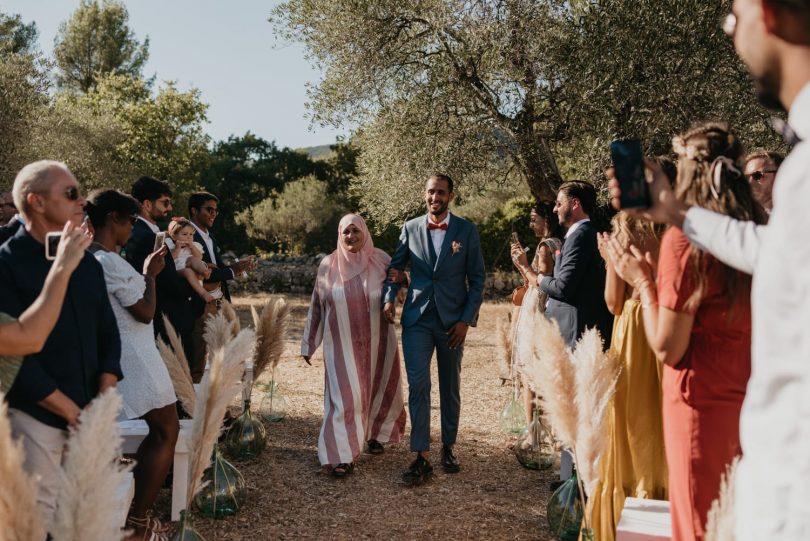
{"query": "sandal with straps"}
[(343, 469), (153, 529)]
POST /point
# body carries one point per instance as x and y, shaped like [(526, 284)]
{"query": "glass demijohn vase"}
[(185, 529), (564, 510), (246, 438), (533, 447), (225, 490), (273, 406), (513, 420)]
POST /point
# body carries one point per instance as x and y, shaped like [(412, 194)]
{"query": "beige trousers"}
[(44, 447)]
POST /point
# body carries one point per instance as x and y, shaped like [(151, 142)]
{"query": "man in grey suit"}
[(444, 296)]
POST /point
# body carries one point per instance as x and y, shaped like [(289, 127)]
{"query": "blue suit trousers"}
[(419, 341)]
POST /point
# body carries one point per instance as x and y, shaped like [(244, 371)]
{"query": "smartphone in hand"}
[(52, 244), (628, 162), (160, 240)]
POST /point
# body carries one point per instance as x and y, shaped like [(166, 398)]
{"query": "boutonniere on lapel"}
[(456, 246)]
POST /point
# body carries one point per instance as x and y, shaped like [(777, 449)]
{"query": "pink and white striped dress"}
[(362, 386)]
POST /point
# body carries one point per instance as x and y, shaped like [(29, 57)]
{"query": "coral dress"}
[(634, 463), (703, 394)]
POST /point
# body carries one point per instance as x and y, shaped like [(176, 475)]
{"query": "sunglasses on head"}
[(757, 176)]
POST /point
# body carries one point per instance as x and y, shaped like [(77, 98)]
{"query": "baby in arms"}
[(188, 255)]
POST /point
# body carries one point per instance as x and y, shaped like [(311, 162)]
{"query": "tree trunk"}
[(538, 165)]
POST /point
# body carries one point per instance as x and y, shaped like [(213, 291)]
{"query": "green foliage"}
[(496, 232), (17, 37), (23, 87), (301, 218), (95, 42), (162, 135), (491, 89)]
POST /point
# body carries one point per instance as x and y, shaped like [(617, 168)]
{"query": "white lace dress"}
[(146, 384)]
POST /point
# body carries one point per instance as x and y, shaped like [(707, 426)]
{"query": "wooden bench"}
[(135, 431), (644, 520)]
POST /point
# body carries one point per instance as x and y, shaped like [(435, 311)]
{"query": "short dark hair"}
[(545, 209), (584, 191), (100, 203), (150, 189), (198, 199), (445, 177)]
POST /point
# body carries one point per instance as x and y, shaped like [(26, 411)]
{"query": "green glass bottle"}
[(225, 490), (533, 448), (185, 529), (564, 510)]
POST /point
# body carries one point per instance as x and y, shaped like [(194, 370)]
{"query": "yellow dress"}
[(634, 463)]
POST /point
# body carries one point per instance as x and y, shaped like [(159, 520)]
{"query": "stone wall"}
[(296, 274)]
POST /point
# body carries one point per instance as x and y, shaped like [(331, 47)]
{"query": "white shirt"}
[(437, 235), (209, 244), (773, 479), (155, 229), (574, 227)]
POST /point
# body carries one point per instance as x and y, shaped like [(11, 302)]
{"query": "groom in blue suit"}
[(446, 290)]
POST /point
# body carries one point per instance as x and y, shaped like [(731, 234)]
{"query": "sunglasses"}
[(211, 210), (73, 193), (757, 176)]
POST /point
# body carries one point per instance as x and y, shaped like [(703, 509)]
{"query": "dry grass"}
[(291, 497)]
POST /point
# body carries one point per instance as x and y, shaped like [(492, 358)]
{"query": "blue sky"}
[(251, 81)]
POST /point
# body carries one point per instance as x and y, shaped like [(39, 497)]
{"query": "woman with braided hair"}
[(697, 317)]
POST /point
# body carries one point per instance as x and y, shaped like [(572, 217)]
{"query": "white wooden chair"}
[(134, 431)]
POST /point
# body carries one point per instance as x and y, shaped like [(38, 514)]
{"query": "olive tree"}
[(490, 90)]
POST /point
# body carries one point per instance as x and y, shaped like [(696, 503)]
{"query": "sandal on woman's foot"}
[(153, 529), (343, 469), (375, 447)]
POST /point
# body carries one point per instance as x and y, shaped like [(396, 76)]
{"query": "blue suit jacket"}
[(577, 289), (455, 282), (83, 344)]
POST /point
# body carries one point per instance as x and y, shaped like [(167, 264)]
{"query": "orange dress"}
[(703, 394)]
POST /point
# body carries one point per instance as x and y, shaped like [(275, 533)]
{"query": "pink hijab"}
[(345, 265)]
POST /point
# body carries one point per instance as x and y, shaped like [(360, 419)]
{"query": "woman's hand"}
[(74, 242), (396, 276), (519, 256), (630, 264), (602, 240), (155, 262)]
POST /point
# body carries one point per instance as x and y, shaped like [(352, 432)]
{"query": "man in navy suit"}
[(203, 209), (81, 357), (576, 292), (445, 293), (173, 292)]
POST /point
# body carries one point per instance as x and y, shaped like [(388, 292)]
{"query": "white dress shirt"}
[(437, 235), (574, 226), (155, 229), (773, 479)]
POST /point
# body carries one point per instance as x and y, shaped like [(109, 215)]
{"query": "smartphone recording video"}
[(160, 240), (52, 245), (628, 162)]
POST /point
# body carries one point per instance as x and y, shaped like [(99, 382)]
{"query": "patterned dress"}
[(362, 386)]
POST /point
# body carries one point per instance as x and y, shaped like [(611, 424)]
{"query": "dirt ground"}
[(291, 497)]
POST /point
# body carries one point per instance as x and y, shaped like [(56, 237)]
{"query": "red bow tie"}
[(432, 226)]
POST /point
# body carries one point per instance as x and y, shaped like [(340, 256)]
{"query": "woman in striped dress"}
[(363, 394)]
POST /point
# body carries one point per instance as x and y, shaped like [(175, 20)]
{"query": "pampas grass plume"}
[(230, 315), (551, 375), (218, 331), (180, 376), (91, 475), (595, 376), (19, 513), (271, 328), (720, 523), (220, 383)]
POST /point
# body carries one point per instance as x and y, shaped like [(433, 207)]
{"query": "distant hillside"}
[(320, 152)]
